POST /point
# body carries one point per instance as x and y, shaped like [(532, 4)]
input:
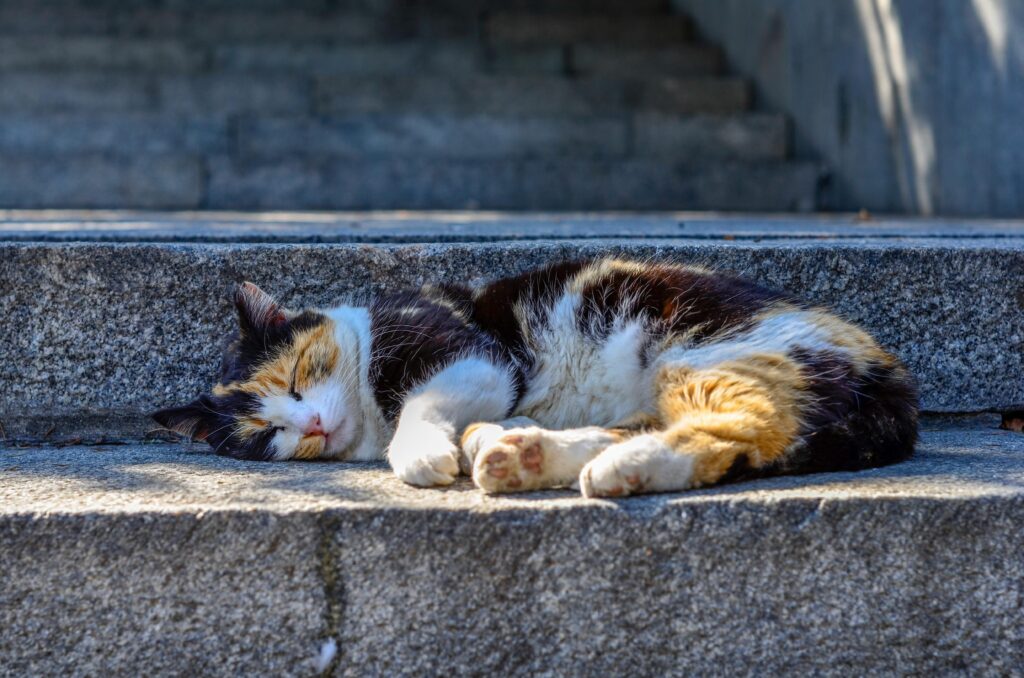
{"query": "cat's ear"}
[(257, 311), (194, 420)]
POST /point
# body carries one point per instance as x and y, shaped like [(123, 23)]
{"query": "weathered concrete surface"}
[(97, 335), (157, 560), (913, 104), (567, 29), (167, 593)]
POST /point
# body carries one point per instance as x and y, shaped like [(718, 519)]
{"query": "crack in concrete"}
[(333, 589)]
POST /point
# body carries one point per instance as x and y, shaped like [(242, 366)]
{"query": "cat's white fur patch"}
[(579, 380), (352, 332), (776, 333), (424, 449)]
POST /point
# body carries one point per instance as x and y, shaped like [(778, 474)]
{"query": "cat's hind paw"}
[(514, 461), (638, 465)]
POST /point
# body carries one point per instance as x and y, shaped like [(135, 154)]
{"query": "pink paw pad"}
[(494, 463), (532, 458), (515, 464)]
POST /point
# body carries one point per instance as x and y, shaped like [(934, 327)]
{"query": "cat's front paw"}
[(424, 460)]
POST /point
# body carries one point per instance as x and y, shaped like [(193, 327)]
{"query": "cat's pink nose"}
[(313, 426)]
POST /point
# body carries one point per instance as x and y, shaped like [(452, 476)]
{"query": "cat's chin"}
[(342, 443)]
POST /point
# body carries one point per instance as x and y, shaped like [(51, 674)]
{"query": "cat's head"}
[(287, 388)]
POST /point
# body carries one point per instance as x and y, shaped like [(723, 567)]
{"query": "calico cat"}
[(616, 377)]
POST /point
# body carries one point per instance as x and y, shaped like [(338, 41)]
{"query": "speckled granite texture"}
[(97, 335), (157, 560)]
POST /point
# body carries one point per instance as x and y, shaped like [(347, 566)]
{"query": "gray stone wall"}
[(915, 105)]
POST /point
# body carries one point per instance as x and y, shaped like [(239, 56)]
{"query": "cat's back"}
[(599, 295), (587, 332)]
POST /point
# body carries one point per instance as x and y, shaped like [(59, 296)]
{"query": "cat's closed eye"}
[(291, 382)]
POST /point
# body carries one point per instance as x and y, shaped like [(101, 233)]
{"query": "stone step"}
[(96, 335), (162, 55), (153, 181), (503, 27), (183, 181), (128, 560), (295, 93), (678, 60), (159, 56), (441, 136), (123, 134), (206, 24), (306, 19), (195, 94), (696, 138), (100, 53), (75, 92), (409, 57), (556, 6), (471, 7), (399, 227), (529, 95), (414, 57), (524, 184)]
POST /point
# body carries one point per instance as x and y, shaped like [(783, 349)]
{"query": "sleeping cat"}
[(612, 376)]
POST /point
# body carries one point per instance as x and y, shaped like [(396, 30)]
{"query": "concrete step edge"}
[(424, 227)]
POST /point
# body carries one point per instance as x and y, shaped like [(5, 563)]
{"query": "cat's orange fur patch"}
[(746, 407), (310, 357), (250, 426), (469, 431), (309, 447)]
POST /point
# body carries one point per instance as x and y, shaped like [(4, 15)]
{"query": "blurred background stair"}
[(380, 104)]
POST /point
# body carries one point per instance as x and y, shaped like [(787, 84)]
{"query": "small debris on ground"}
[(1013, 421), (327, 652)]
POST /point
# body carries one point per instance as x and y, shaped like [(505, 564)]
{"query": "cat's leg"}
[(424, 449), (736, 416), (520, 459)]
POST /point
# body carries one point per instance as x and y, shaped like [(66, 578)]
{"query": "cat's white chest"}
[(580, 380)]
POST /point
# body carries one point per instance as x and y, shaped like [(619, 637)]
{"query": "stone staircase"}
[(380, 104), (123, 554)]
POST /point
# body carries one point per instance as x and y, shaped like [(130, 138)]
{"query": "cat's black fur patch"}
[(493, 306), (857, 421), (676, 299), (247, 349), (213, 418), (416, 332)]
